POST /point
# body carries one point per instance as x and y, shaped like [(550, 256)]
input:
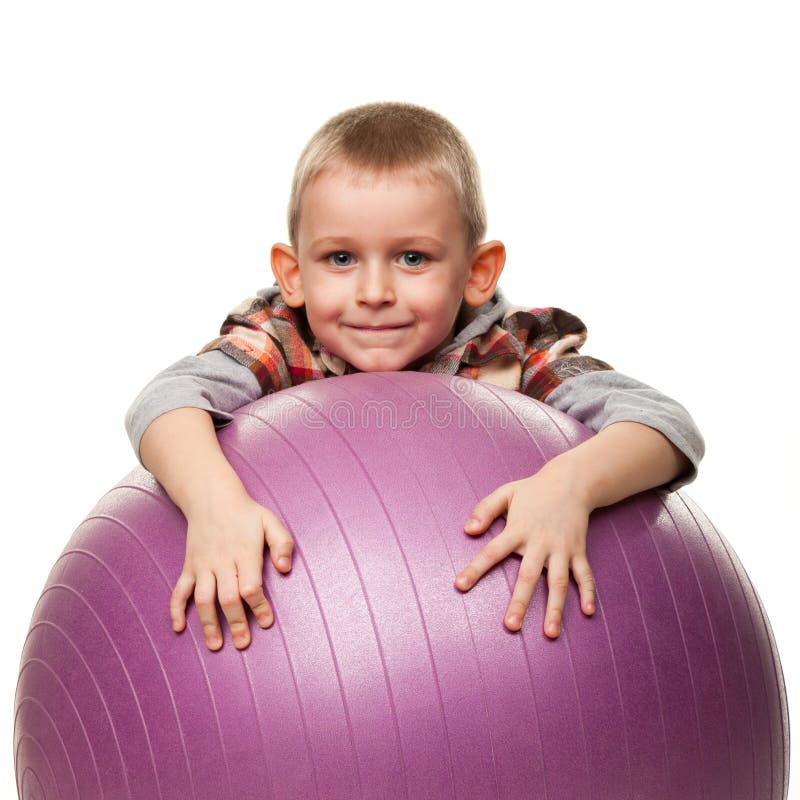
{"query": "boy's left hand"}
[(546, 523)]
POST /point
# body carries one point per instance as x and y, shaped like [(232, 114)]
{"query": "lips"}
[(378, 327)]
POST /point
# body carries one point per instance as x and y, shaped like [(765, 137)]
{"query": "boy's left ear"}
[(487, 263)]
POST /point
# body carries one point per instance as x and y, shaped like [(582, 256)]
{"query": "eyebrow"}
[(346, 241)]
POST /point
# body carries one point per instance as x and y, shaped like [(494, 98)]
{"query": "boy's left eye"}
[(415, 259)]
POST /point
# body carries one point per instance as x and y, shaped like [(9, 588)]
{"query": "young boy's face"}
[(382, 266)]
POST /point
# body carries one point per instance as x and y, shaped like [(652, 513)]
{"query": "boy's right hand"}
[(225, 558)]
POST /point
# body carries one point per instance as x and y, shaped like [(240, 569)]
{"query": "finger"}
[(231, 602), (177, 602), (488, 509), (204, 595), (530, 569), (583, 576), (557, 585), (251, 588), (279, 541), (494, 552)]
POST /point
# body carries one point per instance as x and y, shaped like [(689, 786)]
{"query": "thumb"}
[(279, 541), (486, 510)]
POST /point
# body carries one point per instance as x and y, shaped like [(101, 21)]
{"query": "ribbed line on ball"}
[(55, 677), (43, 755)]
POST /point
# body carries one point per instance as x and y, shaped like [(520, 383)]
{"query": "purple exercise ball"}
[(379, 679)]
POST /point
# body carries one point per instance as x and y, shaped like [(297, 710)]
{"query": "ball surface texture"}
[(380, 679)]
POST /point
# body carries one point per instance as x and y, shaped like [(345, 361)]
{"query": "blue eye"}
[(417, 259), (337, 256)]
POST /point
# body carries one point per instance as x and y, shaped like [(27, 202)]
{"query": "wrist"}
[(181, 450), (571, 474), (213, 486)]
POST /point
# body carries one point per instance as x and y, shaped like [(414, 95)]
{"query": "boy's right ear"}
[(286, 269)]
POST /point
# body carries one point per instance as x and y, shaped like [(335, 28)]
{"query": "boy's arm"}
[(212, 381), (171, 425), (547, 514), (226, 528), (625, 458), (601, 398)]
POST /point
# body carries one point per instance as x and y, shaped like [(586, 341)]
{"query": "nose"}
[(375, 285)]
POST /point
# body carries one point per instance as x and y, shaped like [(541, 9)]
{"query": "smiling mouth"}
[(378, 328)]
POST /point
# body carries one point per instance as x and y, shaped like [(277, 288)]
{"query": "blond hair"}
[(384, 137)]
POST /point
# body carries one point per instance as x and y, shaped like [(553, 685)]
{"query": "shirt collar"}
[(473, 322), (333, 363)]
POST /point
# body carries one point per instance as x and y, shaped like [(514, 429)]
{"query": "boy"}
[(386, 270)]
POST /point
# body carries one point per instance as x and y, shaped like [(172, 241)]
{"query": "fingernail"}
[(284, 562), (462, 581), (472, 522), (553, 628), (514, 620)]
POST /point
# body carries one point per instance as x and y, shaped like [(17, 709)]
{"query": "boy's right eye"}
[(339, 258)]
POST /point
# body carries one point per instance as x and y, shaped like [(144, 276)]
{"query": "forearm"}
[(181, 450), (600, 399), (623, 459)]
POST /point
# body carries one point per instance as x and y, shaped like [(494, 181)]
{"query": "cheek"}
[(319, 299)]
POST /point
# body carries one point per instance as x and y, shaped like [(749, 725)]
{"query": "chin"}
[(381, 365)]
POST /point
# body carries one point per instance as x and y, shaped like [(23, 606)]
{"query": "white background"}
[(639, 160)]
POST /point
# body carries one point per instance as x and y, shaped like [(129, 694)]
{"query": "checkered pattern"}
[(532, 350)]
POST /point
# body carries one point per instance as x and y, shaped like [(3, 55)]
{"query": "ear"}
[(486, 265), (286, 269)]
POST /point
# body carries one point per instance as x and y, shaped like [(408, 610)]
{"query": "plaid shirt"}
[(531, 350)]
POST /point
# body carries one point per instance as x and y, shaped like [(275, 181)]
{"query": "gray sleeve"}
[(212, 381), (597, 399)]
